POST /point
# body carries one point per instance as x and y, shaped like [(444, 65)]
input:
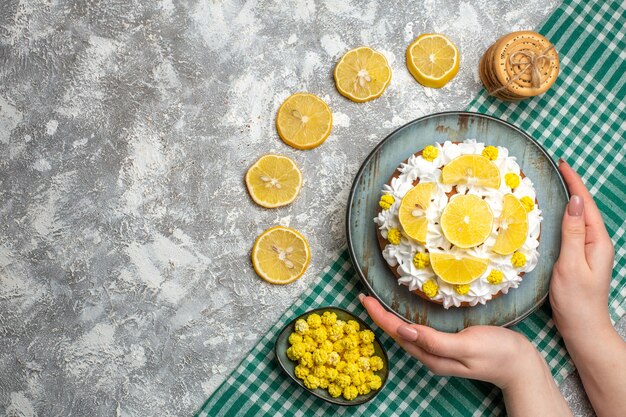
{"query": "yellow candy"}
[(354, 325), (334, 390), (320, 356), (386, 201), (351, 368), (511, 180), (351, 356), (430, 153), (327, 346), (421, 260), (335, 332), (350, 343), (364, 364), (518, 259), (333, 358), (307, 360), (323, 383), (338, 346), (319, 371), (295, 338), (376, 363), (358, 378), (314, 321), (296, 351), (491, 153), (309, 343), (462, 289), (430, 288), (375, 382), (350, 392), (329, 318), (343, 380), (394, 236), (367, 350), (367, 336), (319, 335), (364, 389), (313, 382), (301, 327), (341, 366), (301, 371), (495, 277), (331, 374)]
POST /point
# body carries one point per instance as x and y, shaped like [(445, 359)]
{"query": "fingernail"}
[(575, 206), (562, 161), (408, 333), (361, 297)]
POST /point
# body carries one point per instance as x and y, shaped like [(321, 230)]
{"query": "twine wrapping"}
[(532, 64)]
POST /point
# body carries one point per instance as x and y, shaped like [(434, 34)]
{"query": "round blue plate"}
[(365, 253)]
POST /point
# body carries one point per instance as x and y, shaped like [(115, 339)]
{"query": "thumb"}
[(573, 231), (448, 345)]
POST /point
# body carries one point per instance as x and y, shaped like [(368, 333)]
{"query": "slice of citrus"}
[(472, 170), (362, 74), (280, 255), (457, 270), (513, 226), (304, 121), (412, 212), (433, 60), (466, 221), (274, 181)]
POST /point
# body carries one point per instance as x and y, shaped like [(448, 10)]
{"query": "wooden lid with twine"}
[(519, 65)]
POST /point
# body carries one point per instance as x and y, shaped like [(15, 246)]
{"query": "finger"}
[(383, 319), (437, 364), (573, 232), (448, 345), (595, 225)]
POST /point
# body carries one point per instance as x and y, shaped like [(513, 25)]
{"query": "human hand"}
[(488, 353), (581, 276)]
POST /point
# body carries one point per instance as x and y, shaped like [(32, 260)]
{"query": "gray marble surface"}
[(125, 131)]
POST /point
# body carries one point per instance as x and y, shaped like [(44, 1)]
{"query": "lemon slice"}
[(513, 226), (280, 255), (362, 74), (274, 181), (304, 121), (472, 170), (459, 271), (433, 60), (466, 221), (412, 212)]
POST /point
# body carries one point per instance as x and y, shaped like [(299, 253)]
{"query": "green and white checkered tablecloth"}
[(582, 118)]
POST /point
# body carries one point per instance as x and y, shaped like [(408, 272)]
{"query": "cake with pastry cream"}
[(459, 223)]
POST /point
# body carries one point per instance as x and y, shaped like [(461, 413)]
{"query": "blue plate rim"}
[(331, 400), (373, 152)]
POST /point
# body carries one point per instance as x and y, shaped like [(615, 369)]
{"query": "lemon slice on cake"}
[(513, 226), (433, 60), (472, 170), (412, 212), (280, 255), (466, 221), (362, 74), (304, 121), (274, 181), (457, 270)]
